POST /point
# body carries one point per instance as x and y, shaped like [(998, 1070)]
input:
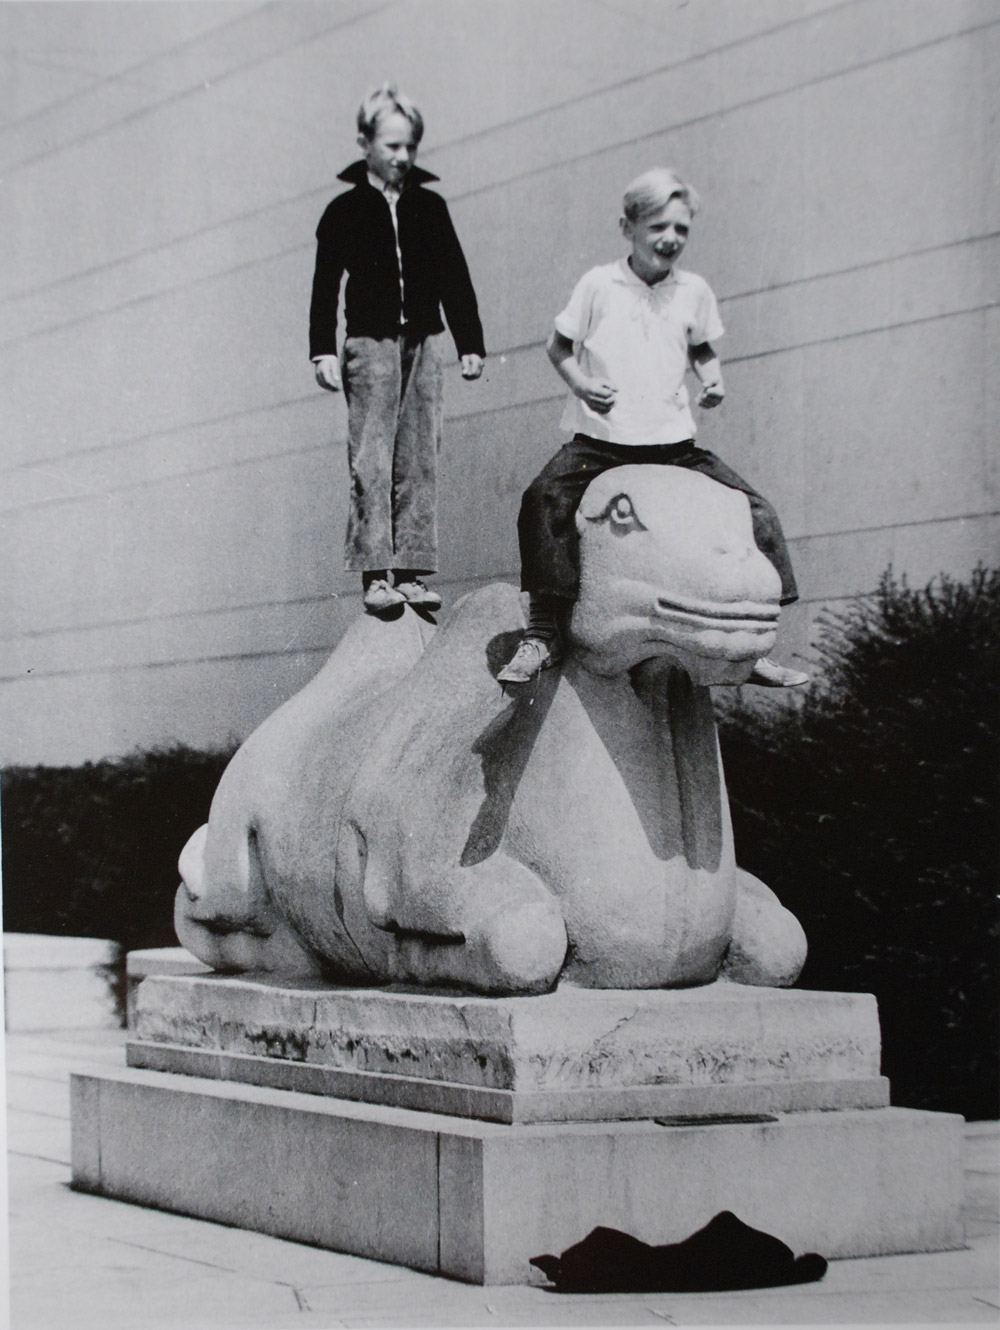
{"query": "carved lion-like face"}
[(669, 568)]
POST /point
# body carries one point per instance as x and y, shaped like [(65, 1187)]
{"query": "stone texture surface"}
[(162, 960), (467, 1101), (157, 960), (571, 1039), (477, 1200), (86, 1137), (403, 818), (270, 1161), (843, 1184)]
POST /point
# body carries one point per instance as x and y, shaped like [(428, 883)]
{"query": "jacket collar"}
[(357, 174)]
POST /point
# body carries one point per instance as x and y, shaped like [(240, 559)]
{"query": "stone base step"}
[(476, 1200), (573, 1039)]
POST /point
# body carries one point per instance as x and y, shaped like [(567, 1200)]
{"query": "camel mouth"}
[(739, 616)]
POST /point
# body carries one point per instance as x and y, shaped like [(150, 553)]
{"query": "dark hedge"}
[(92, 851), (871, 808)]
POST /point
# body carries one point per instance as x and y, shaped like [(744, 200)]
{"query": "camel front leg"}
[(493, 927), (242, 930)]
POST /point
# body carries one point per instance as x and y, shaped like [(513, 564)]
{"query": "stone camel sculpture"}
[(403, 819)]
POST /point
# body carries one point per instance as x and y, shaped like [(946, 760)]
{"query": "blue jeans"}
[(394, 417)]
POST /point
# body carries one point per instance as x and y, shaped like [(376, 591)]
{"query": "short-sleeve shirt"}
[(637, 337)]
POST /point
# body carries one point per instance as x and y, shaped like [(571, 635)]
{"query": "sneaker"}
[(379, 595), (530, 658), (415, 593), (769, 674)]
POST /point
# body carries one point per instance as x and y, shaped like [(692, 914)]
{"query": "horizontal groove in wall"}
[(74, 472), (806, 345), (513, 381), (103, 652), (127, 74), (281, 627), (320, 649), (263, 49), (97, 302), (176, 617), (175, 662), (796, 88), (96, 305), (124, 79), (162, 435), (251, 607)]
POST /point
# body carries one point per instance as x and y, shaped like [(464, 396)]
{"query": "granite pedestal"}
[(463, 1135)]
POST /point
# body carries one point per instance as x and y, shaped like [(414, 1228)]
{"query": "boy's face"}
[(658, 240), (392, 150)]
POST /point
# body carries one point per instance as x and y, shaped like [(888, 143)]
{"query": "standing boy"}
[(396, 242), (623, 344)]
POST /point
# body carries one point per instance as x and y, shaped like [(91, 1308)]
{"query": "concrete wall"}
[(173, 497)]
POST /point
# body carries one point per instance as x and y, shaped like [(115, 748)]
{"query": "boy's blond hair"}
[(384, 101), (653, 190)]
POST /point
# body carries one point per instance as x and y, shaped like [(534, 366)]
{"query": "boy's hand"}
[(472, 367), (328, 373), (597, 394), (711, 394)]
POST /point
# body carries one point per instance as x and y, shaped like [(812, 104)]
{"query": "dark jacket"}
[(355, 235)]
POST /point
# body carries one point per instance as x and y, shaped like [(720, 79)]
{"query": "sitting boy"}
[(403, 260), (623, 344)]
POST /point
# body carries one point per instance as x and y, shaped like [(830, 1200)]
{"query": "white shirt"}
[(637, 337), (391, 194)]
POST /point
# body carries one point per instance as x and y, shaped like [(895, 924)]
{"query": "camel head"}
[(669, 570)]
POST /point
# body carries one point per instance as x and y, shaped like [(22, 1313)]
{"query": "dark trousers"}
[(546, 525)]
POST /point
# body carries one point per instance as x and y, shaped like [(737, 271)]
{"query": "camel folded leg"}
[(492, 926), (768, 946)]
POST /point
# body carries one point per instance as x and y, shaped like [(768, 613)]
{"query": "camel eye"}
[(621, 514)]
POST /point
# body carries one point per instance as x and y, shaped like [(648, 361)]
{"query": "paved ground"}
[(81, 1261)]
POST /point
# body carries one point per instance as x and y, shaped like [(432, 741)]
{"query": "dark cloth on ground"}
[(725, 1254)]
